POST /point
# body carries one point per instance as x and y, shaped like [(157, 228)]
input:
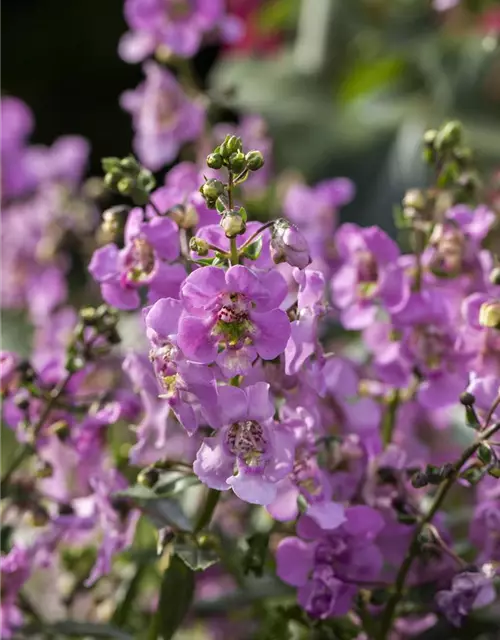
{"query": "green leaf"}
[(219, 205), (195, 558), (172, 483), (369, 76), (162, 511), (253, 251), (176, 595)]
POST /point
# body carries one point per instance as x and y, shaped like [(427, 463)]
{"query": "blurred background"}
[(347, 87)]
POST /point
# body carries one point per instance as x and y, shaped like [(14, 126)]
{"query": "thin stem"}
[(256, 234), (442, 492), (234, 255), (211, 502), (390, 416), (28, 449)]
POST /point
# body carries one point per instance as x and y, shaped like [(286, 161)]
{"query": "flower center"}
[(232, 319), (140, 260), (429, 345), (247, 441), (163, 359)]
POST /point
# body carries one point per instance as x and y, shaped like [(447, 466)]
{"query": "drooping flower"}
[(249, 452), (232, 317), (144, 262), (164, 117)]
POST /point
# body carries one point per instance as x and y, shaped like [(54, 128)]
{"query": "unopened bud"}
[(289, 245), (489, 315), (212, 189), (112, 179), (199, 246), (185, 216), (232, 144), (467, 399), (237, 162), (449, 136), (255, 160), (414, 199), (215, 161), (125, 186), (419, 480), (88, 315), (130, 164), (233, 224)]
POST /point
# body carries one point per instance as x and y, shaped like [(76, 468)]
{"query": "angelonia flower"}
[(278, 394), (176, 26)]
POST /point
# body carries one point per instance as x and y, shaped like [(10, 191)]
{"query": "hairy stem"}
[(256, 235)]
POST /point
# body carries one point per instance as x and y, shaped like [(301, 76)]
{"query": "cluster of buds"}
[(444, 149), (218, 195), (94, 336), (128, 177)]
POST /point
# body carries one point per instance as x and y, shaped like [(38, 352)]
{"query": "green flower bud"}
[(255, 160), (233, 224), (414, 199), (232, 144), (430, 137), (212, 189), (215, 161), (467, 399), (112, 179), (146, 180), (130, 165), (237, 162), (110, 164), (88, 315), (449, 136), (125, 186), (199, 246)]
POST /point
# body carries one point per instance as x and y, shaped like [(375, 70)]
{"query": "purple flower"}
[(468, 591), (178, 25), (484, 340), (368, 275), (247, 442), (188, 388), (327, 562), (149, 246), (15, 569), (303, 342), (232, 317), (164, 117), (314, 211), (289, 245)]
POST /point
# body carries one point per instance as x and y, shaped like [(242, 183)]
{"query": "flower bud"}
[(112, 179), (430, 137), (449, 136), (130, 165), (419, 480), (495, 276), (414, 199), (185, 216), (237, 162), (111, 218), (199, 246), (255, 160), (232, 144), (215, 161), (467, 399), (289, 245), (212, 189), (88, 315), (125, 186), (489, 315), (233, 224)]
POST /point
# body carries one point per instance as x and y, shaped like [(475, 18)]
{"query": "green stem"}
[(442, 492), (28, 449), (389, 421), (211, 502), (234, 256), (256, 234)]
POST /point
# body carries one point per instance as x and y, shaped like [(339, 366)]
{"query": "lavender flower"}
[(468, 591), (164, 117)]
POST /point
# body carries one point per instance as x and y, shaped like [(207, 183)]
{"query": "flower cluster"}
[(323, 460)]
